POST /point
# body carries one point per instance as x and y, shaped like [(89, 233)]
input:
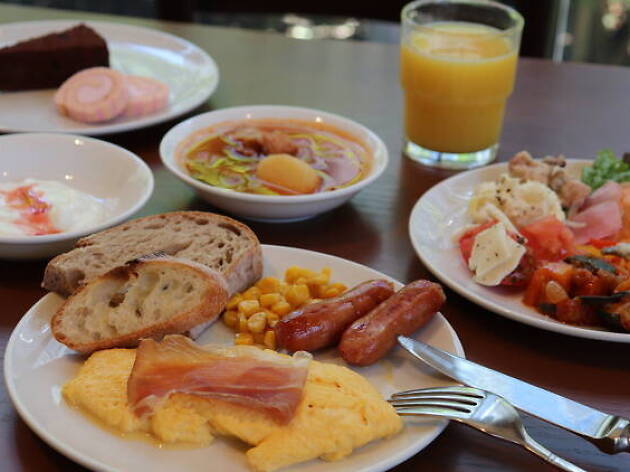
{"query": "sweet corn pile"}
[(254, 313)]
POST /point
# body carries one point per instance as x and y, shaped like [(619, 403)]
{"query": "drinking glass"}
[(458, 63)]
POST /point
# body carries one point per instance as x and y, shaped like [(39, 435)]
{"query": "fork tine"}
[(432, 411), (464, 400), (456, 406), (455, 390)]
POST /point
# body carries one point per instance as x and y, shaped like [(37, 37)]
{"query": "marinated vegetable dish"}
[(275, 157), (564, 239)]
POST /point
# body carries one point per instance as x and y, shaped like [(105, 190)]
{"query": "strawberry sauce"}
[(34, 211)]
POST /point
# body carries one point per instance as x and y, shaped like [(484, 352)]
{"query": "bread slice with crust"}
[(145, 298), (216, 241)]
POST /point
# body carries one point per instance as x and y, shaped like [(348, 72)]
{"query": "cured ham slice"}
[(609, 191), (146, 95), (93, 95), (245, 375), (601, 220)]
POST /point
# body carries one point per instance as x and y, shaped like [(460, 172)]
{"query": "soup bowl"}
[(273, 208)]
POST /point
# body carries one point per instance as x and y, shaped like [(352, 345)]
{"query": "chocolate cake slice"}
[(46, 61)]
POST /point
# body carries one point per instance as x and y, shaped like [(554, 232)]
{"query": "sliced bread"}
[(146, 298), (216, 241)]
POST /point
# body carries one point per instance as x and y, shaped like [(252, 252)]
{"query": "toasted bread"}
[(216, 241), (145, 298)]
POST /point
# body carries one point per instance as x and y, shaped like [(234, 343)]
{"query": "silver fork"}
[(477, 408)]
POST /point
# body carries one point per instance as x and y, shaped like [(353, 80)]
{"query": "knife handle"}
[(617, 438)]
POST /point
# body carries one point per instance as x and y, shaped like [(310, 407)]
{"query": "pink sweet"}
[(93, 95), (145, 95)]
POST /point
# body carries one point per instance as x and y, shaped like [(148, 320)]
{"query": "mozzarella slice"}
[(494, 255)]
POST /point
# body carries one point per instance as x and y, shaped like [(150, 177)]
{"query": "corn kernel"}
[(249, 307), (297, 295), (230, 318), (242, 323), (268, 285), (270, 299), (281, 308), (272, 319), (333, 290), (244, 339), (252, 293), (257, 322), (319, 279), (270, 339), (234, 301), (282, 288), (294, 272)]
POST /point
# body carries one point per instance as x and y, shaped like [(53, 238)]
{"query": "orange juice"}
[(456, 77)]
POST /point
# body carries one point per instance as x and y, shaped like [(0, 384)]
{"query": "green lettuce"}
[(606, 167)]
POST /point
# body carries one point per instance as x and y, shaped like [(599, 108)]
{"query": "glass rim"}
[(512, 13)]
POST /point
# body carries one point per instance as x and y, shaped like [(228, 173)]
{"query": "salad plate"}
[(435, 221), (36, 366), (190, 73)]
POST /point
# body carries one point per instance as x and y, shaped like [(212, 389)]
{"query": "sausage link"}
[(370, 337), (320, 324)]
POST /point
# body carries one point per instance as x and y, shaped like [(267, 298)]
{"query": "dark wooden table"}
[(557, 108)]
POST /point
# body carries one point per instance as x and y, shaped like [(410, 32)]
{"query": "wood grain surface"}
[(573, 109)]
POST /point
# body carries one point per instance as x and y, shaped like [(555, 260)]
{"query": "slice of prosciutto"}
[(598, 221), (245, 375), (610, 191)]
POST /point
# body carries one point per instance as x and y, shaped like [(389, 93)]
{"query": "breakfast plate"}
[(190, 73), (433, 225), (36, 366)]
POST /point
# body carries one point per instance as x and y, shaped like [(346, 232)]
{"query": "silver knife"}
[(609, 433)]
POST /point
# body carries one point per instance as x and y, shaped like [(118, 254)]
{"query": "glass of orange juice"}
[(458, 62)]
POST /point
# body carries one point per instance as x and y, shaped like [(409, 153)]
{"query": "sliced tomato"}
[(549, 239), (467, 240)]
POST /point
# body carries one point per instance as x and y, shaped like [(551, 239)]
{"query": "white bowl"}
[(274, 208), (89, 165)]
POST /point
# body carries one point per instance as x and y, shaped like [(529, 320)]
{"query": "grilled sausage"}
[(369, 338), (320, 324)]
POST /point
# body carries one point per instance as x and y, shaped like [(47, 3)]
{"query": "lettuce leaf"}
[(606, 167)]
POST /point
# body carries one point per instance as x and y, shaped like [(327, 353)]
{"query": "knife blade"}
[(610, 433)]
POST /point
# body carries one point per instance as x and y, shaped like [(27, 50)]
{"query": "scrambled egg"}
[(333, 395)]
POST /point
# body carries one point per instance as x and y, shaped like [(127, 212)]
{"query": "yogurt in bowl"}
[(56, 188), (34, 207)]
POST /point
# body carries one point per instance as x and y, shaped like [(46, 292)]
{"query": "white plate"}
[(189, 72), (434, 221), (36, 367)]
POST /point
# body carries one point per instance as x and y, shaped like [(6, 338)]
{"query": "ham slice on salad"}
[(245, 375), (601, 215)]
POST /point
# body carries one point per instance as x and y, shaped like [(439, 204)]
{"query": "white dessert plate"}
[(190, 73), (433, 224), (36, 367)]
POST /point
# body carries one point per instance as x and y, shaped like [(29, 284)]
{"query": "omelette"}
[(332, 394)]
